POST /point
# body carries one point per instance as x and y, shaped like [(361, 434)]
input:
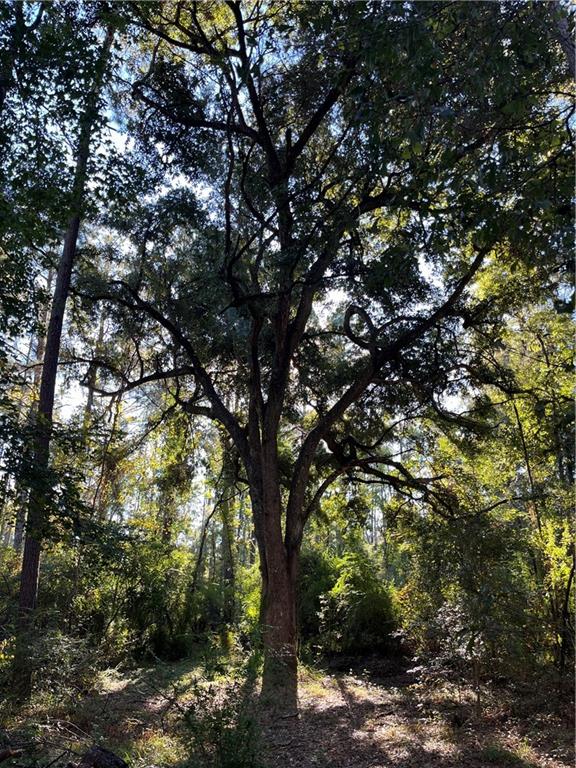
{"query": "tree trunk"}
[(106, 491), (279, 631), (92, 376), (20, 523), (278, 567), (228, 550), (227, 571), (38, 502)]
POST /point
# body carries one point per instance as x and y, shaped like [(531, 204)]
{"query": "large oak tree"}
[(322, 184)]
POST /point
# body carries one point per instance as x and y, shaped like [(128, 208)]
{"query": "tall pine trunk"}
[(20, 522), (39, 496)]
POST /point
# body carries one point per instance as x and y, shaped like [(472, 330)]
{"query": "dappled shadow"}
[(128, 705), (343, 733), (359, 724), (378, 717), (122, 712)]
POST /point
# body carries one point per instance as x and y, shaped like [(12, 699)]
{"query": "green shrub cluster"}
[(346, 604)]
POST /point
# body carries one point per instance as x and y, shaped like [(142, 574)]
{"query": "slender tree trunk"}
[(566, 633), (212, 560), (39, 496), (32, 416), (37, 507), (228, 580), (92, 376), (106, 492), (200, 557), (20, 521), (5, 531), (21, 500), (228, 548)]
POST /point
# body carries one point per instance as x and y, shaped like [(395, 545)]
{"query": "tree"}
[(38, 503), (317, 244)]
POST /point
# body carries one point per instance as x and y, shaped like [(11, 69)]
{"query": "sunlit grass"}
[(495, 754), (155, 748)]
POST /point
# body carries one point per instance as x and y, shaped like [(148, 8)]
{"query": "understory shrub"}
[(357, 613), (318, 574), (222, 727)]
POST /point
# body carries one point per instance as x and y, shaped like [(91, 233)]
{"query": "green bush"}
[(249, 590), (318, 575), (221, 726), (357, 614), (470, 597), (61, 665)]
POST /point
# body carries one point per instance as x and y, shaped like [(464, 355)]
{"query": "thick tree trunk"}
[(279, 631), (279, 569)]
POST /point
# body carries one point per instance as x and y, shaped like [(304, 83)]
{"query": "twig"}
[(56, 758)]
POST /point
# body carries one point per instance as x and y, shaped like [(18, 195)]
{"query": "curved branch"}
[(294, 521), (156, 376), (219, 411)]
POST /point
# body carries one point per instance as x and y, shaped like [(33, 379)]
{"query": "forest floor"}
[(379, 716)]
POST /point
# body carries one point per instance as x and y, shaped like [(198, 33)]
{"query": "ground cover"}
[(373, 715)]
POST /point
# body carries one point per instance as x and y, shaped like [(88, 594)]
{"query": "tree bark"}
[(278, 565), (279, 631)]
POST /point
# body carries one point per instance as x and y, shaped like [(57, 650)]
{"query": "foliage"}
[(357, 614), (318, 575), (222, 727), (319, 324), (496, 572)]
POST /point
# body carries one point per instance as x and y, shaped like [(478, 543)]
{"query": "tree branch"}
[(294, 522)]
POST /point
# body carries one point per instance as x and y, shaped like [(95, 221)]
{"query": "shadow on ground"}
[(367, 720), (390, 723), (132, 713)]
